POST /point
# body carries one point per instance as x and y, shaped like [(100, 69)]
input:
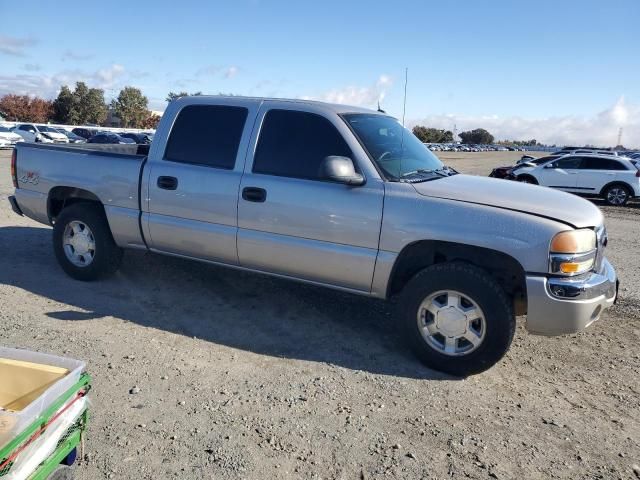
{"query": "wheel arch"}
[(62, 196), (528, 175), (418, 255), (617, 182)]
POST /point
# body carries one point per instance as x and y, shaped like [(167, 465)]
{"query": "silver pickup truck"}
[(335, 196)]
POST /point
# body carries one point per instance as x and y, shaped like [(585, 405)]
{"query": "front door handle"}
[(254, 194), (167, 183)]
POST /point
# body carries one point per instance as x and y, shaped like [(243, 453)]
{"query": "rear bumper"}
[(14, 206), (558, 306)]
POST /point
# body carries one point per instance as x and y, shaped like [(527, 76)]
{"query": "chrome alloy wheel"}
[(79, 244), (617, 196), (451, 323)]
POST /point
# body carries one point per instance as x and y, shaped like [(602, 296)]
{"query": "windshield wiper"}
[(421, 172)]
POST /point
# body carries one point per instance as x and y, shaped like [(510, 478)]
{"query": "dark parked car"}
[(85, 133), (139, 138), (73, 138), (108, 137)]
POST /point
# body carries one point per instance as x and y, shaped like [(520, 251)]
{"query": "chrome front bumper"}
[(558, 306)]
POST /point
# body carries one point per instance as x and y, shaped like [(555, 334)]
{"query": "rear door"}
[(561, 174), (293, 222), (193, 184), (596, 172)]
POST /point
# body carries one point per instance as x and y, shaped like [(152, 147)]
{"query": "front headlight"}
[(572, 252)]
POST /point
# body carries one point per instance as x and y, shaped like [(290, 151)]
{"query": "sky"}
[(560, 71)]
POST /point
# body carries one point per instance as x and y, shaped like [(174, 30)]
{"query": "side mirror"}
[(340, 170), (549, 166)]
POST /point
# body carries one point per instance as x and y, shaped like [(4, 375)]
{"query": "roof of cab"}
[(334, 107)]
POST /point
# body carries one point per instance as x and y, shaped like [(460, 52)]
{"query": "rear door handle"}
[(254, 194), (168, 183)]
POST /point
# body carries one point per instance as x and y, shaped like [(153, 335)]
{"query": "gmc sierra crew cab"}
[(335, 196)]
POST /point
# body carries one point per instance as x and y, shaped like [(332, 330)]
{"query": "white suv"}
[(616, 179)]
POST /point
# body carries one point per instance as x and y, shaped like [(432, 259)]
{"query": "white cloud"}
[(357, 95), (600, 129), (215, 70), (75, 56), (47, 86), (231, 71), (14, 45)]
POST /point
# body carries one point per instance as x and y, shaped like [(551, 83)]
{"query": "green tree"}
[(432, 135), (479, 135), (94, 108), (131, 107), (63, 105), (174, 96), (80, 106)]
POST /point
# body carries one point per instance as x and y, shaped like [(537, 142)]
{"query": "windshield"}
[(396, 151), (4, 129), (48, 129)]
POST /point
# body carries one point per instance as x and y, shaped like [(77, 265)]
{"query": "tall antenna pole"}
[(404, 106), (619, 137)]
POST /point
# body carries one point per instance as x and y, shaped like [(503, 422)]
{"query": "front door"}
[(294, 223), (561, 174)]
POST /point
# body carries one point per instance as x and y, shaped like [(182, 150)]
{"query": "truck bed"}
[(110, 173)]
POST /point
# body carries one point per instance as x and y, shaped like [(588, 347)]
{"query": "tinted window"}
[(592, 163), (568, 163), (27, 128), (293, 144), (207, 135)]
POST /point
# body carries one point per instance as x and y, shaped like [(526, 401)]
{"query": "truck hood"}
[(520, 197)]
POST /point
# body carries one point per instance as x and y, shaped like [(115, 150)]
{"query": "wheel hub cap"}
[(79, 244), (451, 322)]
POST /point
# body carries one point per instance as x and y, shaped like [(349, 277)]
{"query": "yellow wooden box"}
[(22, 382)]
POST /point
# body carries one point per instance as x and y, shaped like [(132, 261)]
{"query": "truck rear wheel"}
[(456, 318), (83, 243)]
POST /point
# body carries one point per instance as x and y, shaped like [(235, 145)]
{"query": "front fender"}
[(409, 218)]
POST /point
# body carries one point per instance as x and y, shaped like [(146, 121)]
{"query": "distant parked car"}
[(73, 138), (139, 138), (39, 133), (616, 179), (109, 137), (9, 138), (84, 132)]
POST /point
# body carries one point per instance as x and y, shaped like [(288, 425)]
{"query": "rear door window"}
[(207, 135), (594, 163)]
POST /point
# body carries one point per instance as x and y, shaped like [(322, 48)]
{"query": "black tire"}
[(527, 179), (616, 200), (478, 285), (61, 473), (107, 255)]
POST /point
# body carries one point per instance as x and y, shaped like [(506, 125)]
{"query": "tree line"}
[(80, 106), (436, 135)]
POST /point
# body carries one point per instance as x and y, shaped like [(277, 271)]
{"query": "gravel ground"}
[(203, 372)]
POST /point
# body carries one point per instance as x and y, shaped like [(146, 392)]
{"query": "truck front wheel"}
[(83, 243), (457, 318)]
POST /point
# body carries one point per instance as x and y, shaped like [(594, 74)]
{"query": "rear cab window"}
[(207, 135)]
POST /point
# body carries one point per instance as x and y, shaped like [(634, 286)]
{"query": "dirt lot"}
[(243, 376)]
